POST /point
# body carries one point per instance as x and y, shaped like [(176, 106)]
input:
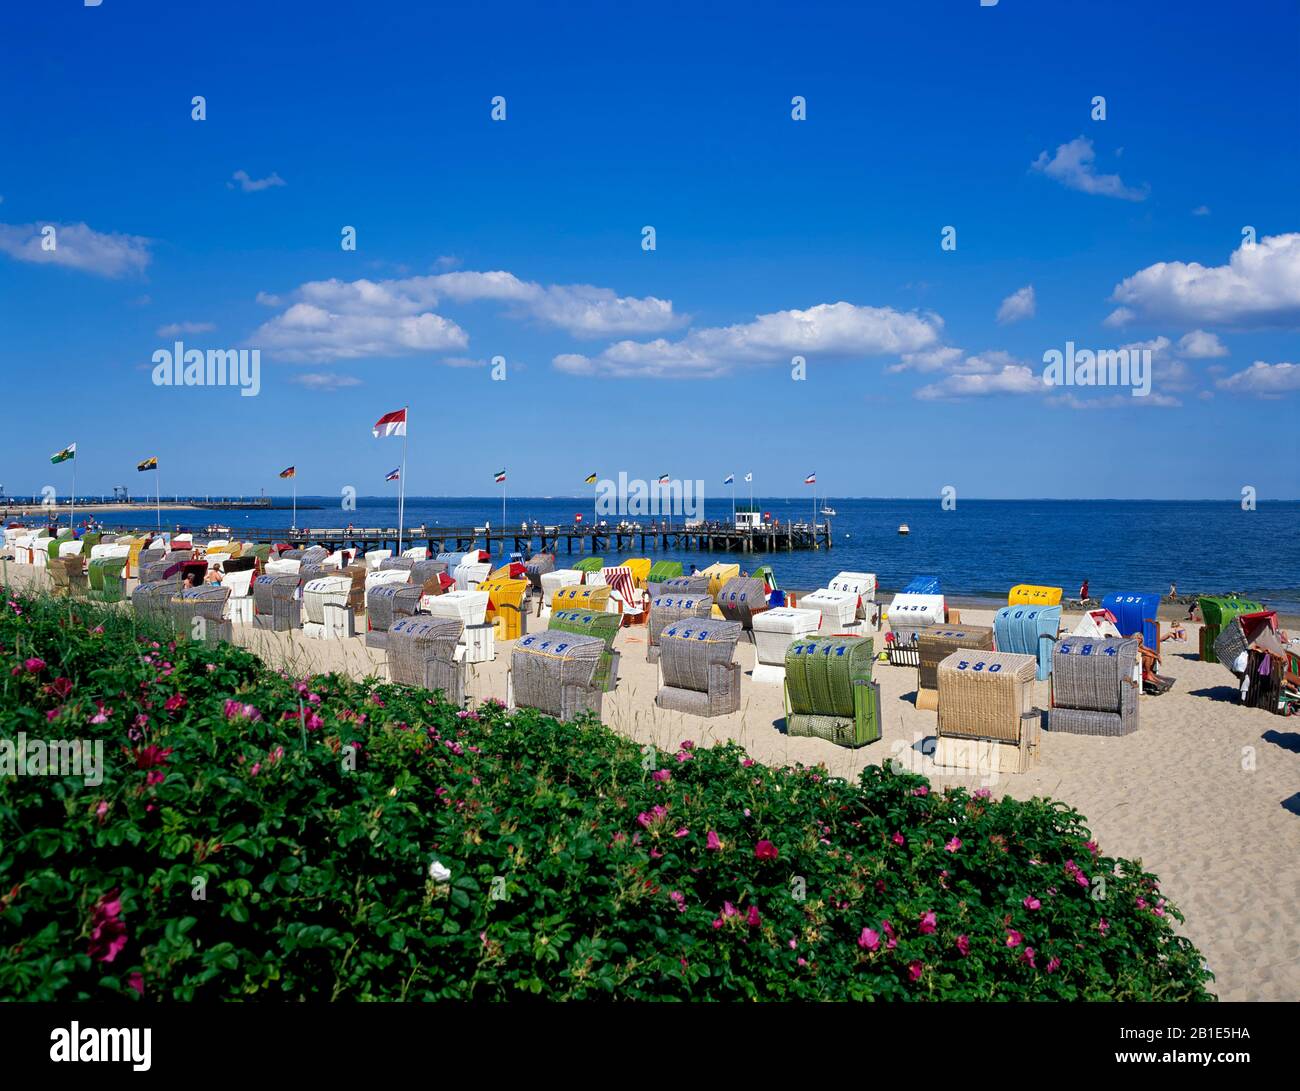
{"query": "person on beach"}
[(1173, 591), (1083, 591)]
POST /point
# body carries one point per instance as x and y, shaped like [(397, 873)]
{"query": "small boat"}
[(903, 528), (828, 510)]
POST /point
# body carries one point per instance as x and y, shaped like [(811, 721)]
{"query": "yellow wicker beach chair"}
[(580, 596), (719, 574), (506, 606), (640, 569), (1032, 594)]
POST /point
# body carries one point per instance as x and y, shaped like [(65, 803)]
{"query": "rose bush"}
[(263, 836)]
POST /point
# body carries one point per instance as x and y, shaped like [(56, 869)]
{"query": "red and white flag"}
[(811, 479), (391, 424)]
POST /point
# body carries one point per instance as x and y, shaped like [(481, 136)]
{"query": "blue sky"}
[(775, 238)]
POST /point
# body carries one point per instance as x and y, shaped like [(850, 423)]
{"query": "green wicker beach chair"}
[(829, 693), (589, 564), (104, 575), (1216, 612), (593, 623)]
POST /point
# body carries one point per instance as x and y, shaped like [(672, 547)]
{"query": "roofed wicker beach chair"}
[(1033, 594), (1216, 612), (933, 645), (839, 609), (472, 570), (325, 609), (660, 572), (597, 623), (276, 605), (422, 652), (1094, 686), (315, 555), (829, 693), (862, 584), (537, 566), (377, 577), (774, 631), (1242, 631), (61, 571), (152, 601), (282, 566), (417, 553), (696, 663), (385, 606), (589, 564), (686, 585), (505, 608), (740, 598), (1028, 630), (718, 574), (468, 607), (580, 597), (404, 563), (1095, 623), (665, 609), (198, 613), (625, 597), (376, 557), (556, 673), (987, 719), (425, 574), (553, 581), (640, 569), (358, 571), (105, 578)]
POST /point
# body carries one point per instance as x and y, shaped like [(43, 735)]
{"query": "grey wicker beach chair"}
[(1093, 687), (696, 659), (685, 585), (538, 565), (196, 613), (422, 652), (555, 672), (386, 605), (741, 598), (276, 605), (668, 608), (314, 555), (390, 563), (151, 601)]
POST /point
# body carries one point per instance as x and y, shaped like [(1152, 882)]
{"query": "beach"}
[(1205, 793)]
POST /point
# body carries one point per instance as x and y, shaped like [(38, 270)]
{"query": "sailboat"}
[(827, 509)]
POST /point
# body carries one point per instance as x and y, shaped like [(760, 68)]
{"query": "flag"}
[(292, 471), (811, 479), (394, 475), (147, 464), (391, 424), (663, 479), (591, 479), (730, 479), (68, 452), (749, 477), (499, 477)]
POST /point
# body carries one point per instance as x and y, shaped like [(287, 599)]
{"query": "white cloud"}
[(176, 328), (1263, 380), (1120, 316), (308, 333), (1201, 210), (834, 330), (1011, 379), (337, 319), (1115, 401), (269, 300), (1260, 286), (324, 380), (77, 246), (1018, 305), (1199, 345), (1073, 167), (254, 185), (939, 358)]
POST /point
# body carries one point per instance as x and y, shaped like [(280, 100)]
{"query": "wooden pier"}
[(635, 538)]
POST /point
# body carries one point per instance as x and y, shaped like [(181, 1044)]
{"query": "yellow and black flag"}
[(148, 464)]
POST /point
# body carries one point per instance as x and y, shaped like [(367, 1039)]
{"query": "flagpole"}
[(733, 501), (295, 498), (503, 516), (157, 481), (72, 519), (401, 483)]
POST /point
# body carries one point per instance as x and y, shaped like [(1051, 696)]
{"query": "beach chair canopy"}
[(1032, 594), (829, 690), (1136, 612)]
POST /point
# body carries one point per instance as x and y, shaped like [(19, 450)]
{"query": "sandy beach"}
[(1206, 793)]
